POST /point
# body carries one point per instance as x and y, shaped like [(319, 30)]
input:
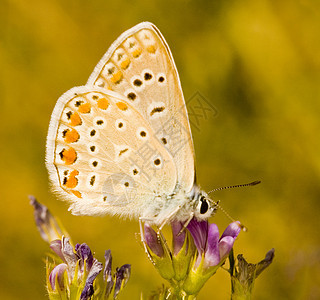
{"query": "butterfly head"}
[(205, 207)]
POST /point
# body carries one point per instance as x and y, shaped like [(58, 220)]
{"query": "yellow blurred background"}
[(256, 62)]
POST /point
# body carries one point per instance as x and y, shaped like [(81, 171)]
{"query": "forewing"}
[(140, 66)]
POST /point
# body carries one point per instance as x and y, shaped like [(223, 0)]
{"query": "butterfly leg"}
[(163, 240), (159, 231), (168, 218), (185, 225)]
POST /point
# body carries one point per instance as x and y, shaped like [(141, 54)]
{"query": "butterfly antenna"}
[(235, 186), (244, 228)]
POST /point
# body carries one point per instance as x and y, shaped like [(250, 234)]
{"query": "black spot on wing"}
[(157, 110)]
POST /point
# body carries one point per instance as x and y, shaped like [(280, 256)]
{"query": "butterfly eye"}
[(204, 205)]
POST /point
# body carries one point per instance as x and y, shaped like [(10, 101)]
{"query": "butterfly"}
[(122, 144)]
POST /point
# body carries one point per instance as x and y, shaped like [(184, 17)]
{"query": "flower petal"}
[(153, 241), (212, 255), (122, 277), (107, 273), (225, 246), (177, 239), (88, 290), (85, 253), (108, 264), (45, 221), (199, 232), (56, 246), (57, 272), (265, 262), (68, 254), (232, 230)]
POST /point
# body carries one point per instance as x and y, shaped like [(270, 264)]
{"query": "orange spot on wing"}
[(136, 53), (76, 193), (151, 49), (116, 77), (72, 181), (75, 119), (125, 63), (71, 136), (103, 103), (122, 105), (84, 108), (68, 156)]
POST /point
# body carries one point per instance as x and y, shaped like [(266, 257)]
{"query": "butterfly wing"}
[(140, 66), (103, 156)]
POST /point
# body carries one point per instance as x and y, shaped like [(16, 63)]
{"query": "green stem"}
[(178, 293), (239, 291)]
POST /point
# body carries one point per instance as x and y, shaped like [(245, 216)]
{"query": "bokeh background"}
[(256, 62)]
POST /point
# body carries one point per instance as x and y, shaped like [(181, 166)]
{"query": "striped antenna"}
[(216, 204), (244, 228), (235, 186)]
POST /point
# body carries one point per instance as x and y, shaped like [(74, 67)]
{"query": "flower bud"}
[(159, 254), (244, 275), (183, 250), (152, 241)]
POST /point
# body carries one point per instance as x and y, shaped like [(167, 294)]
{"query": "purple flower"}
[(80, 256), (76, 276), (212, 249), (82, 269), (212, 252)]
